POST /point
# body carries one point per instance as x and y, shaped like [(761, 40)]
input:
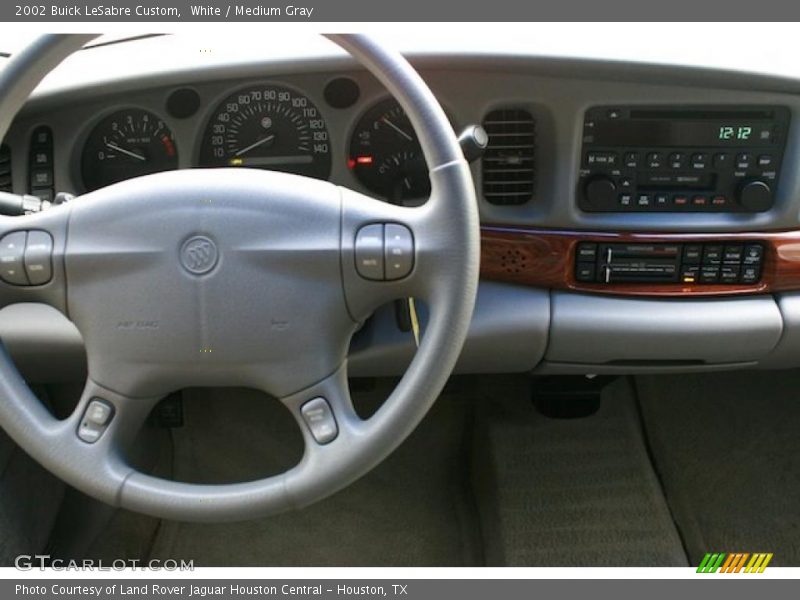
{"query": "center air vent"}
[(508, 163), (5, 169)]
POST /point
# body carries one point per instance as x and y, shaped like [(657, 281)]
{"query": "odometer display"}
[(268, 127)]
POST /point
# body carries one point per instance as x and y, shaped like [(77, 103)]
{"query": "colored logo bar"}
[(736, 562)]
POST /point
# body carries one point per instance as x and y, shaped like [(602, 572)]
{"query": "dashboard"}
[(635, 218)]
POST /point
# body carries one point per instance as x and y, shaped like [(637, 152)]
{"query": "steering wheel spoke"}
[(32, 258)]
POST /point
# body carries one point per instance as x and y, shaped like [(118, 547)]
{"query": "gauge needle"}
[(113, 146), (397, 129), (263, 140)]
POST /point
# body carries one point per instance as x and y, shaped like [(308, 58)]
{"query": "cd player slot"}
[(675, 181)]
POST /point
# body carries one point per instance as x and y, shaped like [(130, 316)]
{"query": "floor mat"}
[(414, 509), (727, 446), (569, 492)]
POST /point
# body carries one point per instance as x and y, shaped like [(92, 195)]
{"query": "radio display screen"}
[(660, 132)]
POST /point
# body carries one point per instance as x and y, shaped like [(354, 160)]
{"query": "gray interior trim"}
[(631, 332), (508, 334)]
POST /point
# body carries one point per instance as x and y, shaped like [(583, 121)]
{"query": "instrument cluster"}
[(263, 126)]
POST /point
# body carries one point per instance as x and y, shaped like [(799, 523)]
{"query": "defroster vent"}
[(509, 161)]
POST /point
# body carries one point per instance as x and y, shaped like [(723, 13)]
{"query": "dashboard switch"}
[(38, 257), (369, 252), (319, 418), (95, 420), (12, 252), (399, 251)]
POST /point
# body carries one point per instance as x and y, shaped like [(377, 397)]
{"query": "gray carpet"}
[(412, 510), (569, 492), (727, 446)]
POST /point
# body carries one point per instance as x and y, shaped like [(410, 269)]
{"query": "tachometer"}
[(385, 154), (126, 144), (268, 127)]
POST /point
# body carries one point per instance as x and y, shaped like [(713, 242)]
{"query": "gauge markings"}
[(268, 127), (125, 144)]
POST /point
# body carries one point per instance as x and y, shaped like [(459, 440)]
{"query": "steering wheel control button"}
[(319, 418), (12, 257), (399, 251), (199, 255), (38, 257), (369, 252), (95, 420)]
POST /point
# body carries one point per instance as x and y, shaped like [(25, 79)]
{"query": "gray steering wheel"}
[(237, 277)]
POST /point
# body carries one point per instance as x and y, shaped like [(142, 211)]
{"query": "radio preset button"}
[(676, 160), (722, 160), (743, 160), (655, 160), (631, 160), (699, 160)]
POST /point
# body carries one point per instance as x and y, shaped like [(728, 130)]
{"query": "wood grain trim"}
[(546, 258)]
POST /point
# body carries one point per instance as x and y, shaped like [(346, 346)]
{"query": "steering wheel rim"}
[(95, 240)]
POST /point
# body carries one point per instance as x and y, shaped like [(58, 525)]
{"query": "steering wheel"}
[(236, 277)]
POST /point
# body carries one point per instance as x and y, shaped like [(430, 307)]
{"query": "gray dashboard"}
[(514, 329)]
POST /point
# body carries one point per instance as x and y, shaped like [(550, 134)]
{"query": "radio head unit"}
[(676, 159)]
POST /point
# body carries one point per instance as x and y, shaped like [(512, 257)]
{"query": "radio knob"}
[(600, 192), (755, 196)]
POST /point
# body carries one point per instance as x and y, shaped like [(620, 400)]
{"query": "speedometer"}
[(268, 127)]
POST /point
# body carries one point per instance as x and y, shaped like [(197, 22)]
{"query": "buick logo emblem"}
[(199, 255)]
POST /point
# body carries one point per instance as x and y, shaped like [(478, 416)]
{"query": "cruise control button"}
[(319, 418), (95, 420), (38, 257), (12, 252), (369, 252), (399, 251)]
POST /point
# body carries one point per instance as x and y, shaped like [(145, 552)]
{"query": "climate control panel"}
[(715, 262)]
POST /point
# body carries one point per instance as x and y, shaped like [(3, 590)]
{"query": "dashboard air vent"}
[(508, 163), (5, 169)]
